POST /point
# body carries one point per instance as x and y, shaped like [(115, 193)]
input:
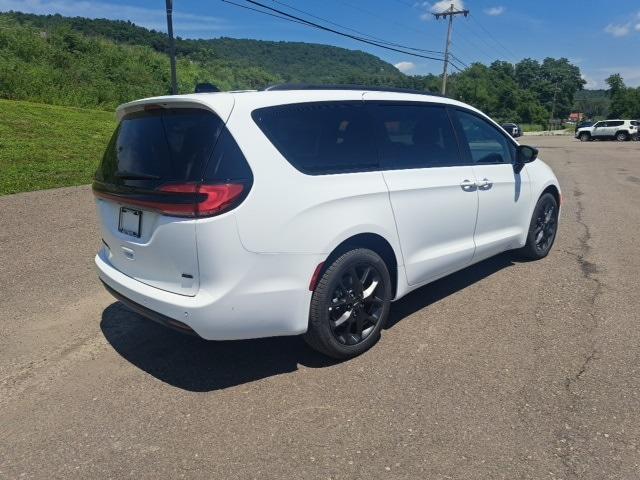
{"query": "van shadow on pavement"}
[(197, 365)]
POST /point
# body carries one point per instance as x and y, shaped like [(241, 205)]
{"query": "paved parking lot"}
[(505, 370)]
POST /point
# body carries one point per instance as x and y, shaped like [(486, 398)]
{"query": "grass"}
[(46, 146), (532, 127)]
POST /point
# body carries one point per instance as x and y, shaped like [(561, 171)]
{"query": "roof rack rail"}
[(306, 86)]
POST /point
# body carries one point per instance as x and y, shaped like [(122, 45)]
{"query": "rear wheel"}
[(350, 305), (584, 137), (622, 136), (542, 229)]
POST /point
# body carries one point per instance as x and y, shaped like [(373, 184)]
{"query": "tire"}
[(544, 221), (584, 137), (622, 136), (350, 305)]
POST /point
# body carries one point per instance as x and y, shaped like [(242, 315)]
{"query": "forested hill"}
[(286, 61)]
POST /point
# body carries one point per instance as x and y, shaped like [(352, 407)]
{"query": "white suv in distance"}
[(621, 130), (308, 210)]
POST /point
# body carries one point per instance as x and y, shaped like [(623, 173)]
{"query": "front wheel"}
[(542, 229), (584, 137), (349, 305)]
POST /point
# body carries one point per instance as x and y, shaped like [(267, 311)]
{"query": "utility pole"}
[(172, 48), (450, 12), (553, 105)]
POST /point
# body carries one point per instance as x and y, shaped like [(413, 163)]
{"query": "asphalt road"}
[(505, 370)]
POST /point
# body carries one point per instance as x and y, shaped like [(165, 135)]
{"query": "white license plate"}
[(130, 221)]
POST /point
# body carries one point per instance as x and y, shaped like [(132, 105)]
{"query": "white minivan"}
[(308, 210)]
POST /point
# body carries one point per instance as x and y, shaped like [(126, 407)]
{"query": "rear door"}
[(432, 190), (151, 150), (504, 196)]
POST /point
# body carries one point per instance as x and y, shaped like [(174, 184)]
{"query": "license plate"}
[(130, 221)]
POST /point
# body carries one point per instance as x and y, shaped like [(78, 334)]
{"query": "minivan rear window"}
[(161, 145), (321, 138)]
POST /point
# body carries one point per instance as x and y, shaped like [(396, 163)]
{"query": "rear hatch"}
[(164, 168)]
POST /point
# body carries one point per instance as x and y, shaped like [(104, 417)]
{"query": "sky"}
[(599, 39)]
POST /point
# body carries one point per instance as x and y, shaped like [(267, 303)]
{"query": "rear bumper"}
[(150, 314), (268, 297)]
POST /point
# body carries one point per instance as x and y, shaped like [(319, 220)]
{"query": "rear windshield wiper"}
[(136, 176)]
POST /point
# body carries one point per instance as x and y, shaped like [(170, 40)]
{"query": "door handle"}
[(485, 184), (468, 185)]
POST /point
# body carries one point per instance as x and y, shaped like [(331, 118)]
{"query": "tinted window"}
[(227, 162), (600, 124), (486, 144), (160, 145), (615, 123), (415, 136), (633, 122), (320, 138)]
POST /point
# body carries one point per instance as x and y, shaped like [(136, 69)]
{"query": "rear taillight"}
[(207, 200), (183, 199)]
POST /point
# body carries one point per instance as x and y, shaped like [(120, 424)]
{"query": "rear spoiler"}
[(219, 103)]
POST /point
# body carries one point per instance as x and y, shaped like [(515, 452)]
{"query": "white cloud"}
[(591, 83), (630, 74), (405, 67), (154, 18), (618, 30), (495, 11), (443, 5)]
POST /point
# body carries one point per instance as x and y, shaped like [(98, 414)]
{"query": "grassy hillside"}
[(64, 67), (102, 63), (290, 61), (46, 146)]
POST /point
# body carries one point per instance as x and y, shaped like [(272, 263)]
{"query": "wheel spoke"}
[(357, 284), (365, 275), (370, 290), (343, 318)]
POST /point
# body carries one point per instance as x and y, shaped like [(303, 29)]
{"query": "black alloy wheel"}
[(350, 304), (546, 225), (355, 307), (542, 229)]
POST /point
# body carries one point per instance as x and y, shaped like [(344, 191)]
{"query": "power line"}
[(508, 51), (378, 39), (337, 32), (263, 12), (491, 53), (404, 27), (385, 20), (458, 59)]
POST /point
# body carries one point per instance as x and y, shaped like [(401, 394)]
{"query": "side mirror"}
[(524, 155)]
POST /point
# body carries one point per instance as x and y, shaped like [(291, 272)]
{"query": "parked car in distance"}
[(513, 129), (621, 130), (308, 210)]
